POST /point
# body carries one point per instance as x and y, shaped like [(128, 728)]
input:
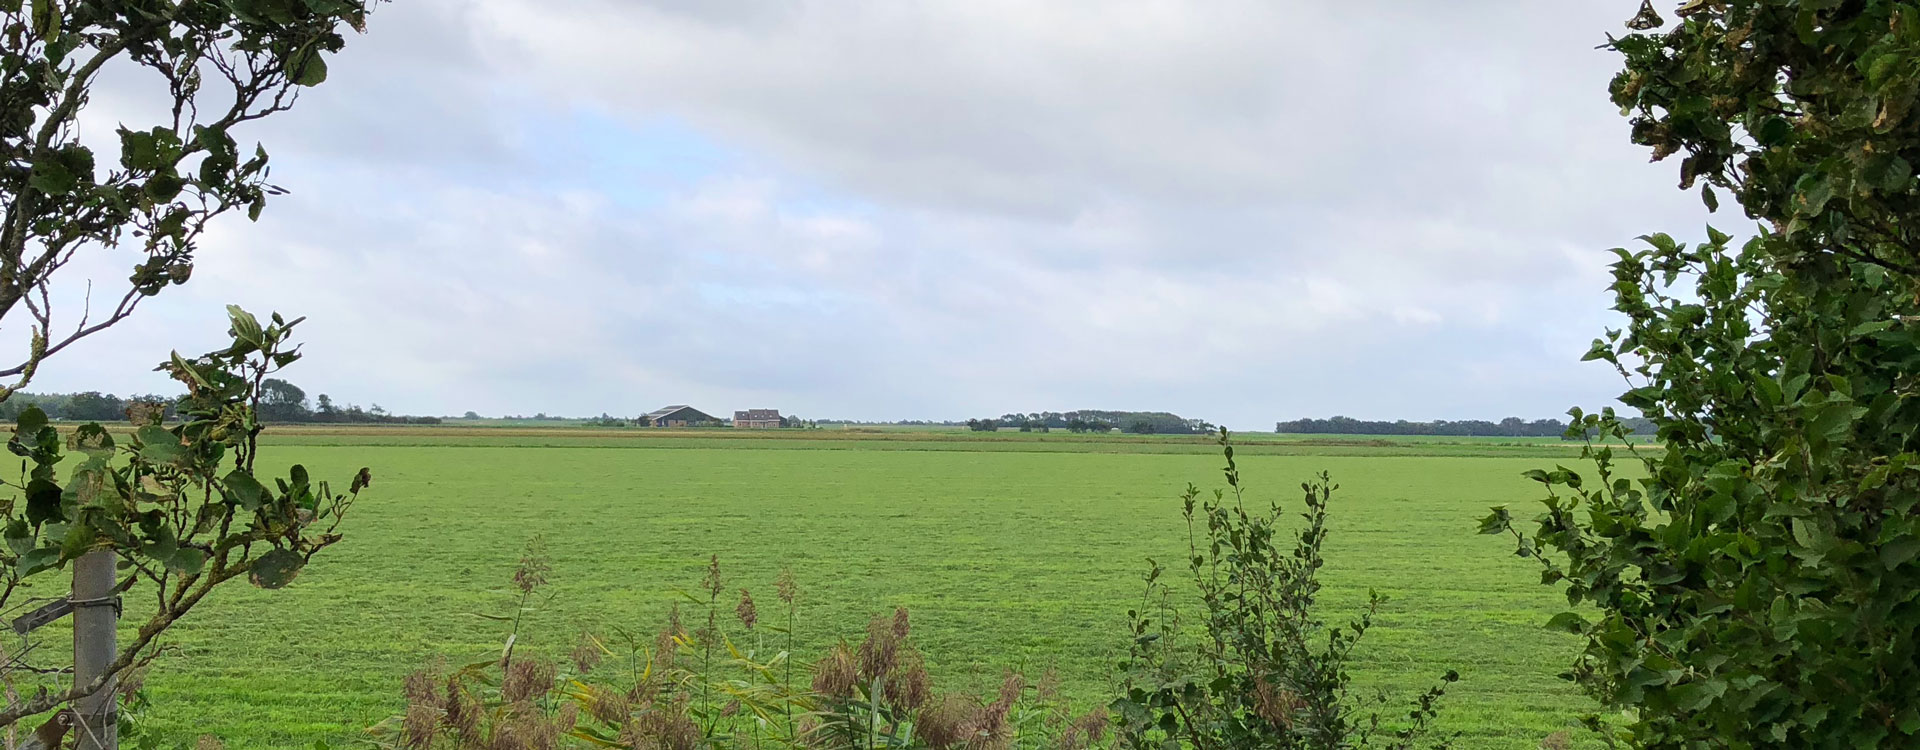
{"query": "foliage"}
[(1802, 109), (223, 64), (1269, 673), (1760, 588), (183, 507)]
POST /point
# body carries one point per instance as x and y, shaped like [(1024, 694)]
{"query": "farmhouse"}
[(757, 419), (679, 415)]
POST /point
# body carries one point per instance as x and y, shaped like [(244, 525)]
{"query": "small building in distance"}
[(757, 419), (679, 415)]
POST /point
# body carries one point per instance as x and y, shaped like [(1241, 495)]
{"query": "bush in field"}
[(1269, 672), (1760, 587)]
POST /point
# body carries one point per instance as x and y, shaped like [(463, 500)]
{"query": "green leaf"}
[(79, 538), (1881, 67), (51, 176), (1773, 131), (46, 19), (19, 536), (187, 561), (30, 420), (245, 491), (38, 559), (1888, 172), (1497, 522), (1568, 622), (276, 569), (1834, 421), (159, 445), (1811, 194), (1870, 327), (307, 67), (91, 438), (1899, 552), (140, 151), (245, 326), (43, 502), (1695, 696), (1909, 721)]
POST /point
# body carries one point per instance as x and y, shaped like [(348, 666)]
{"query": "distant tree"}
[(324, 409), (983, 425), (281, 401), (1141, 427), (470, 415), (94, 406)]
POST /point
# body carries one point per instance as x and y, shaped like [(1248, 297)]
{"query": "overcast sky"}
[(1242, 211)]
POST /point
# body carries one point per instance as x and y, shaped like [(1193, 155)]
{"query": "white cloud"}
[(1245, 210)]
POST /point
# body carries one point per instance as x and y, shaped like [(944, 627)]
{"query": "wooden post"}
[(96, 615)]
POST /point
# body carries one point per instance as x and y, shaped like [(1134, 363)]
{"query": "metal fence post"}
[(96, 614)]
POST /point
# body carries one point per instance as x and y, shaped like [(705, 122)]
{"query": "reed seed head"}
[(526, 680), (786, 588), (880, 652), (836, 674), (745, 610), (910, 686), (586, 654), (533, 569), (713, 583), (946, 721)]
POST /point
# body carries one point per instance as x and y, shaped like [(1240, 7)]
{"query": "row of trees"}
[(1136, 422), (1509, 427), (280, 401), (90, 406)]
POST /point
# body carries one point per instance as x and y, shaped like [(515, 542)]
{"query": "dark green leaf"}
[(245, 491), (276, 569)]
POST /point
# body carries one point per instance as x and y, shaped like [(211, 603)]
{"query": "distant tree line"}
[(1509, 427), (89, 406), (1136, 422), (280, 401)]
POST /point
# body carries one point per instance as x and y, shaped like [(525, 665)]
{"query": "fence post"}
[(96, 614)]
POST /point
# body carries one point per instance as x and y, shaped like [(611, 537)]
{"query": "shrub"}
[(1268, 673), (1760, 587)]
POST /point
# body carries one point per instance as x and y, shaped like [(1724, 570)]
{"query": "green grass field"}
[(1010, 550)]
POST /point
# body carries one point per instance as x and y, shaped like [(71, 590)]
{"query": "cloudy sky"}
[(1238, 210)]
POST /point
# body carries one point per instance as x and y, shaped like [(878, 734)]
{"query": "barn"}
[(757, 419), (679, 415)]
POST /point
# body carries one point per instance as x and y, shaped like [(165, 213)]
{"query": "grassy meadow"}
[(1010, 550)]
